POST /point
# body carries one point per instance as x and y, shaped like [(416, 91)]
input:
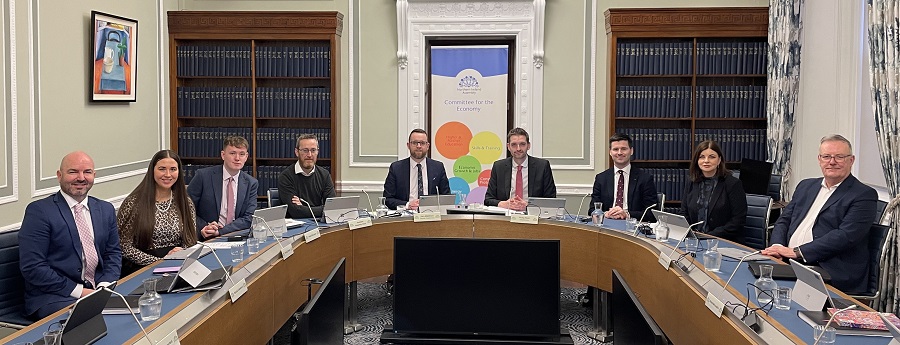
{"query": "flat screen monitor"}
[(630, 321), (322, 319), (755, 176), (470, 286)]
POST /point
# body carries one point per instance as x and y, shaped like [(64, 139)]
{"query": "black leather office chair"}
[(880, 205), (757, 221), (877, 250), (775, 182), (272, 194), (12, 296)]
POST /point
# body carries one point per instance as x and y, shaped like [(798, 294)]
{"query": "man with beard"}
[(409, 179), (304, 182), (69, 242), (516, 178)]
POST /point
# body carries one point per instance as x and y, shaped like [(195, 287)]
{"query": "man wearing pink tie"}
[(520, 176), (68, 242), (224, 196)]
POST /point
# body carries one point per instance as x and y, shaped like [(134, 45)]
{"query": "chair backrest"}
[(272, 194), (775, 182), (880, 205), (877, 249), (12, 295), (661, 201), (757, 221)]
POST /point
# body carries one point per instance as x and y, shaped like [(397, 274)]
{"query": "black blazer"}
[(540, 180), (396, 185), (641, 191), (727, 209), (840, 233)]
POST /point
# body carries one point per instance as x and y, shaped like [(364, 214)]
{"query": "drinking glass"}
[(630, 225), (252, 246), (560, 214), (691, 244), (826, 334), (53, 337), (783, 298), (237, 253)]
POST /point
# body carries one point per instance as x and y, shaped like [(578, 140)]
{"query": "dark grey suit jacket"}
[(540, 180)]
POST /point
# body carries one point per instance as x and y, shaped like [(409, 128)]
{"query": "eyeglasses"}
[(418, 143), (837, 158), (308, 151)]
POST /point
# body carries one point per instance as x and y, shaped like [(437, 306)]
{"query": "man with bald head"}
[(69, 241)]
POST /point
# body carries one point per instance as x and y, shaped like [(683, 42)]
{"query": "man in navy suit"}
[(827, 223), (511, 184), (217, 213), (401, 187), (624, 190), (69, 242)]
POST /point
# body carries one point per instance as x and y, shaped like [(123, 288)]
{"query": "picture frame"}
[(113, 58)]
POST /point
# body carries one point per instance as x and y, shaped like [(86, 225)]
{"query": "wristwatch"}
[(798, 253)]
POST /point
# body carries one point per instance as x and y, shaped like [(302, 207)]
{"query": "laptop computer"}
[(810, 291), (85, 324), (274, 217), (176, 283), (341, 209), (545, 207), (678, 225), (436, 203), (186, 252)]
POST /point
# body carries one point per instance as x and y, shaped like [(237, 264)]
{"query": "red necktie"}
[(620, 189), (519, 183), (87, 244), (229, 201)]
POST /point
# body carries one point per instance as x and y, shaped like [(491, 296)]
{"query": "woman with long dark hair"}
[(714, 196), (157, 218)]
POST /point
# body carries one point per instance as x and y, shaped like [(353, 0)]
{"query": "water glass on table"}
[(783, 298), (824, 335), (237, 253), (630, 225), (252, 246), (691, 244)]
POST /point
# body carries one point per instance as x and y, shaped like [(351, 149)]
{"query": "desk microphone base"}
[(389, 337)]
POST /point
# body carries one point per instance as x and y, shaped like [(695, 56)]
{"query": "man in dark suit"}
[(407, 181), (827, 223), (68, 242), (224, 197), (511, 184), (624, 190)]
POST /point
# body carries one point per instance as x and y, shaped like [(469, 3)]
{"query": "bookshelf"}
[(678, 76), (267, 76)]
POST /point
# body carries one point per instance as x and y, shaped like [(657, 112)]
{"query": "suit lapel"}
[(720, 189), (404, 178), (217, 187), (632, 184), (66, 214), (504, 187), (97, 223), (810, 196), (432, 174), (532, 178), (243, 185), (838, 193)]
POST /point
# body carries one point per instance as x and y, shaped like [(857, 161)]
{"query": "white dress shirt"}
[(803, 234)]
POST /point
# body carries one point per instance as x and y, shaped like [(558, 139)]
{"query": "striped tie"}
[(87, 243)]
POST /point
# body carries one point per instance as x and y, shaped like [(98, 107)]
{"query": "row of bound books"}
[(280, 142), (742, 102), (268, 175), (214, 101), (189, 170), (660, 143), (654, 58), (653, 101), (304, 60), (731, 57), (206, 141), (212, 61), (306, 102), (737, 143), (670, 181)]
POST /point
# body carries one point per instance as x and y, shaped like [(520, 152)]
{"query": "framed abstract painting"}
[(113, 58)]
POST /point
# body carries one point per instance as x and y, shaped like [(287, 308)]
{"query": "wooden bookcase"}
[(678, 76), (268, 76)]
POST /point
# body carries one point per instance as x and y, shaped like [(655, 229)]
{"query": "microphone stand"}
[(682, 239), (311, 213), (580, 205), (227, 275), (266, 226), (819, 338), (739, 266), (147, 336), (637, 227), (369, 199)]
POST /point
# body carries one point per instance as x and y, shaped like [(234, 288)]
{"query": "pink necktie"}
[(229, 201), (87, 243), (519, 183)]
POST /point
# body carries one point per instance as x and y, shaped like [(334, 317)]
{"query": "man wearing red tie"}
[(624, 190), (516, 178), (69, 242)]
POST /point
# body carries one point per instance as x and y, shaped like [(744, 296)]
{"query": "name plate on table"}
[(311, 235), (714, 304), (665, 260), (237, 289), (427, 217), (288, 249), (360, 223), (523, 218), (169, 339)]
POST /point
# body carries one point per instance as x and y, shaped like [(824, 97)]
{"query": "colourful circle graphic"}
[(452, 139), (467, 168), (476, 195), (484, 177), (486, 146), (458, 186)]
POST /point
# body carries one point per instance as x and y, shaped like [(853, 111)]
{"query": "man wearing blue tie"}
[(224, 197), (69, 242), (408, 179)]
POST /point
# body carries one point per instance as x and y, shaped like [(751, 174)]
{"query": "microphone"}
[(641, 221), (369, 199), (685, 236), (147, 336), (265, 226), (739, 266), (227, 275), (829, 322), (578, 215), (313, 214)]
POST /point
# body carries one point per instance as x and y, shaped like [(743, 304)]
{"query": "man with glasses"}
[(303, 185), (827, 223), (408, 179), (224, 197), (515, 179)]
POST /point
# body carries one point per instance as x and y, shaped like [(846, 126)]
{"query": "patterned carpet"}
[(375, 312)]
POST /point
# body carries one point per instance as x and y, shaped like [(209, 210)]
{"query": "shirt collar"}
[(524, 163), (626, 169), (225, 175), (71, 201), (832, 187), (299, 170), (413, 161)]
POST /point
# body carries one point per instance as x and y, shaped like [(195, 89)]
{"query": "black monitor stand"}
[(389, 337)]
